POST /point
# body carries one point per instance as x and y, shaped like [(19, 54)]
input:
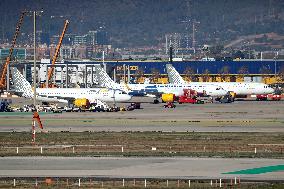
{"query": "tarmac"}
[(140, 167), (239, 116)]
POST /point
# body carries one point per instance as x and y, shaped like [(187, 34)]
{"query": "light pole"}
[(193, 34), (275, 62), (34, 14)]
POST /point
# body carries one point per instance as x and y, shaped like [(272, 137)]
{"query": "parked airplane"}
[(240, 88), (156, 90), (24, 89)]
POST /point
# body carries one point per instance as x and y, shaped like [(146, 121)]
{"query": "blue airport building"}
[(83, 72), (200, 67)]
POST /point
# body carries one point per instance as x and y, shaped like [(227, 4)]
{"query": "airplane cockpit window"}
[(217, 89)]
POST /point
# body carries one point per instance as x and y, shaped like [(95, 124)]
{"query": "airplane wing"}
[(16, 92), (57, 97)]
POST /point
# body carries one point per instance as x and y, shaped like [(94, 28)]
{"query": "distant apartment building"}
[(67, 52), (80, 40), (93, 38), (81, 51), (18, 53), (102, 37), (180, 42), (43, 38), (68, 39), (42, 51)]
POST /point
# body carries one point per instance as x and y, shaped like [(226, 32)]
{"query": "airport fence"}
[(248, 150), (101, 182)]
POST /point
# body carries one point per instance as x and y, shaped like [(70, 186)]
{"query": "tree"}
[(155, 75), (238, 54), (205, 76), (189, 73), (224, 71), (243, 71), (216, 51), (281, 74), (138, 74), (265, 70)]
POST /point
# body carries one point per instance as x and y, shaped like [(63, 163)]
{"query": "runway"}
[(137, 167)]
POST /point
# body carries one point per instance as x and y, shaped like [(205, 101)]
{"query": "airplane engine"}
[(168, 97)]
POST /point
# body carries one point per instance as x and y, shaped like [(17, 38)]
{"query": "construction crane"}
[(48, 83), (5, 66)]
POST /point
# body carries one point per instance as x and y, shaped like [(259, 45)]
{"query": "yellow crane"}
[(5, 66)]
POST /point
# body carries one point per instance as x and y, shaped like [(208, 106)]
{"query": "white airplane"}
[(240, 88), (155, 90), (23, 87)]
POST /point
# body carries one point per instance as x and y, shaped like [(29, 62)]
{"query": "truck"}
[(264, 97), (189, 96), (4, 106)]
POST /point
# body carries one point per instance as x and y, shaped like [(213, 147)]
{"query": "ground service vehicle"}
[(82, 103), (170, 105), (4, 106), (189, 96), (273, 97)]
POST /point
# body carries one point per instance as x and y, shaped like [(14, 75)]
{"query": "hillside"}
[(133, 23)]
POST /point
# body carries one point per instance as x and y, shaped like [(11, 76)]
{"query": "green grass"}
[(141, 143)]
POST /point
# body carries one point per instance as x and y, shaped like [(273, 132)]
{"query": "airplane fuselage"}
[(91, 94), (177, 89), (241, 88)]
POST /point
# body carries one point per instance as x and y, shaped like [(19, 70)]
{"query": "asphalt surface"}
[(137, 167), (240, 116)]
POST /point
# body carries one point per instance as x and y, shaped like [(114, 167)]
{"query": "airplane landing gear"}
[(156, 101)]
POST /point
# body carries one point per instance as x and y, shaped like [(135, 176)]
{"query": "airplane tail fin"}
[(21, 85), (174, 76), (104, 80)]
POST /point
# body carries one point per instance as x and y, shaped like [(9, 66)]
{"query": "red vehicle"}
[(170, 105), (273, 97), (189, 96), (185, 99)]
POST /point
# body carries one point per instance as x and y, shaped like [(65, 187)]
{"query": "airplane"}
[(95, 95), (239, 88), (156, 90)]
